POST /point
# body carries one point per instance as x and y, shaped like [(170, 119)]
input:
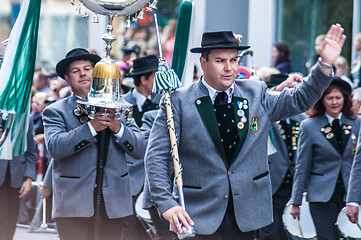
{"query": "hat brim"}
[(202, 49), (152, 68), (64, 64), (342, 83), (276, 79)]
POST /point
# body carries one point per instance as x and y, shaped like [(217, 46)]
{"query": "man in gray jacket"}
[(16, 176), (222, 126), (143, 100), (73, 145)]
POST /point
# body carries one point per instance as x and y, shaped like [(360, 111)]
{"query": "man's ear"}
[(66, 78), (203, 63), (143, 79)]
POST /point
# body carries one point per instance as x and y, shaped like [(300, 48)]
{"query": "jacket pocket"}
[(317, 174), (262, 175), (192, 187), (125, 174)]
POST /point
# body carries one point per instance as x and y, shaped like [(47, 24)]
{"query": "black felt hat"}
[(218, 40), (73, 55), (342, 83), (141, 65)]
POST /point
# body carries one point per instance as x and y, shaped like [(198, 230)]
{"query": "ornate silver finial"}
[(105, 91)]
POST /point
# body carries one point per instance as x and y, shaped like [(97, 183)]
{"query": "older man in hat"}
[(222, 126), (73, 145), (143, 100)]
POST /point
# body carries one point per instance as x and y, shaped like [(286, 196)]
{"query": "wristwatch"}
[(326, 65)]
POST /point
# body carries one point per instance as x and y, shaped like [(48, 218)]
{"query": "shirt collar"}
[(213, 92), (80, 98), (139, 98), (330, 119)]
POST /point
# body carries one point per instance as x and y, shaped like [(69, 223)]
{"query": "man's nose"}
[(82, 72), (227, 65)]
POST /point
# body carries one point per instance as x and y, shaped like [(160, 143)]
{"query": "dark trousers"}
[(276, 230), (161, 226), (324, 214), (228, 230), (83, 228), (9, 209), (132, 227)]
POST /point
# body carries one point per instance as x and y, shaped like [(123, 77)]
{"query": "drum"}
[(144, 217), (347, 228), (306, 221), (142, 213)]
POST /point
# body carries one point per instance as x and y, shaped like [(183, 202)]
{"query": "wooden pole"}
[(173, 139)]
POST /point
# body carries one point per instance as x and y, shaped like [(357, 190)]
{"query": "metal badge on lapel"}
[(240, 113), (329, 135), (327, 129), (346, 129), (81, 112), (240, 125)]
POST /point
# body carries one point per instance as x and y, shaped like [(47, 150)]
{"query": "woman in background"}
[(281, 57), (326, 147)]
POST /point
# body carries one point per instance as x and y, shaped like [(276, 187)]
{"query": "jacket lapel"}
[(206, 111), (346, 132), (241, 114), (137, 115), (329, 134)]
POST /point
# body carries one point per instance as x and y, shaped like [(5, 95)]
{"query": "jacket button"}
[(226, 197), (229, 173)]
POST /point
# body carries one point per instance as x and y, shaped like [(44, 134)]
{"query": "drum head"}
[(306, 221), (347, 228), (142, 213)]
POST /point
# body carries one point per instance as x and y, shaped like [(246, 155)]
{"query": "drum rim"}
[(147, 218), (284, 220), (341, 213)]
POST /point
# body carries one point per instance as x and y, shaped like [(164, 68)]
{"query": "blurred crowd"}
[(282, 67)]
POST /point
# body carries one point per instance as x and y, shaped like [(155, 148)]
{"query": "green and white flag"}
[(182, 37), (16, 76), (182, 60)]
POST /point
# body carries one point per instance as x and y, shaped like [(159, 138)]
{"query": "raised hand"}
[(333, 44)]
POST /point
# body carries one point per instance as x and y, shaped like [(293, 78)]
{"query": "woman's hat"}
[(342, 83), (276, 79), (73, 55), (143, 65), (218, 40)]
